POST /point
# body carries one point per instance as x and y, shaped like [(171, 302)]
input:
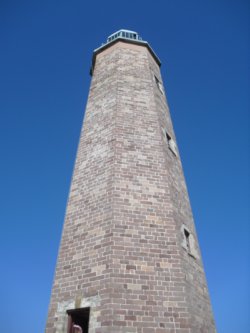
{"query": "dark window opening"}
[(171, 144), (78, 320), (159, 85), (187, 234), (168, 137)]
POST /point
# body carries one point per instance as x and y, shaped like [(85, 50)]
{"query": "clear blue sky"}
[(46, 49)]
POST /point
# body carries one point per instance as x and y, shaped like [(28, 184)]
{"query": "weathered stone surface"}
[(122, 249)]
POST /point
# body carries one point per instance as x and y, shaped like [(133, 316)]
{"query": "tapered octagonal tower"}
[(129, 260)]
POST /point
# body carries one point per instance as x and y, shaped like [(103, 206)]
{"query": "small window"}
[(171, 144), (187, 234), (123, 34), (159, 85), (188, 242), (78, 320)]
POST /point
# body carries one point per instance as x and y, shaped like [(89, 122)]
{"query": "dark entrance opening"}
[(78, 320)]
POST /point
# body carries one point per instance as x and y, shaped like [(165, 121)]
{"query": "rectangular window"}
[(171, 144), (188, 242), (78, 320), (159, 85), (187, 234)]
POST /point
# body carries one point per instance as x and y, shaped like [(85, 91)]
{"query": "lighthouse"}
[(129, 259)]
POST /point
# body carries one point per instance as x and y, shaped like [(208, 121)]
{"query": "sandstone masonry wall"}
[(121, 252)]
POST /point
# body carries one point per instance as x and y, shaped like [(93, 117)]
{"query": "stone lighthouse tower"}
[(129, 260)]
